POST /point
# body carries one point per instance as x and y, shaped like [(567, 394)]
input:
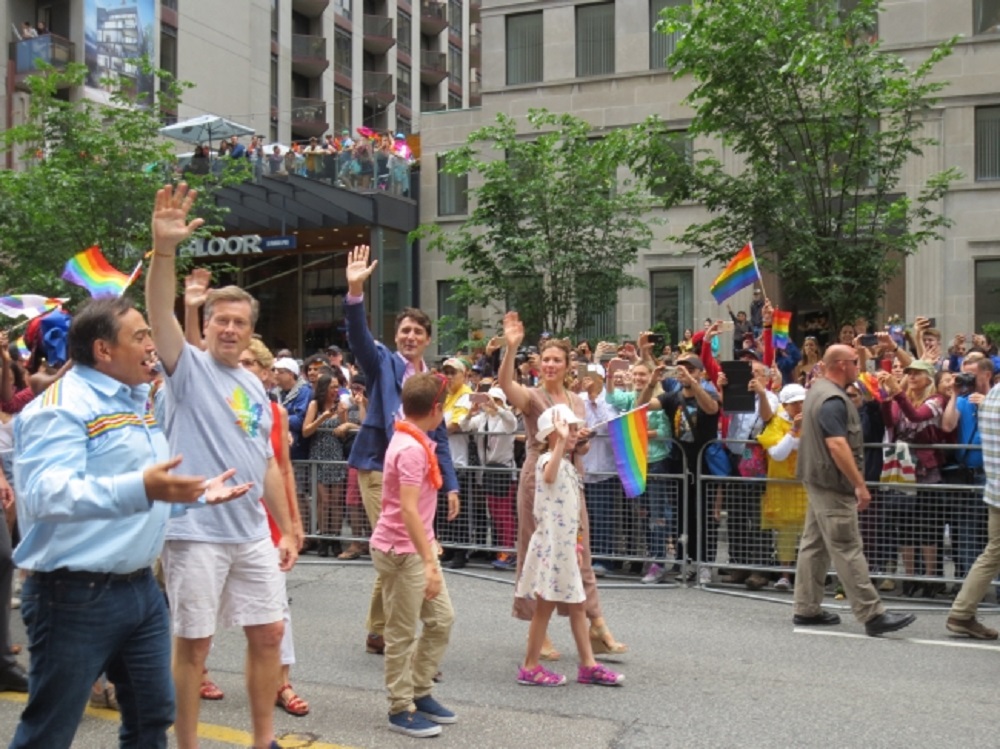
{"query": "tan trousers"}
[(411, 661), (980, 577), (831, 533), (370, 484)]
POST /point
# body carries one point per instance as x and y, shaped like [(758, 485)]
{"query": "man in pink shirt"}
[(404, 552)]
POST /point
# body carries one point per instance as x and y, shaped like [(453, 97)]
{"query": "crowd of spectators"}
[(368, 161)]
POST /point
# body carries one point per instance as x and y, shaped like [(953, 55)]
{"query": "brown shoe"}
[(375, 644), (756, 582), (972, 628)]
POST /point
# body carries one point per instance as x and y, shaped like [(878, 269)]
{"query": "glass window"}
[(342, 52), (987, 292), (452, 197), (455, 17), (524, 48), (595, 39), (403, 125), (403, 84), (341, 109), (449, 341), (343, 7), (404, 30), (679, 146), (672, 300), (987, 16), (454, 101), (275, 15), (274, 81), (455, 63), (987, 143), (661, 46), (168, 49)]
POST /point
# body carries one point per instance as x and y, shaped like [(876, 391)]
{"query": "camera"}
[(656, 339), (965, 383)]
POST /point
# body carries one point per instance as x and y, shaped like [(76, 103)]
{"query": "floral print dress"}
[(550, 570)]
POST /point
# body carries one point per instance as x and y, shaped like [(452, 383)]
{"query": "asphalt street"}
[(705, 670)]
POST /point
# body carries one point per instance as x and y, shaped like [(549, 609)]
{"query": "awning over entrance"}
[(285, 203)]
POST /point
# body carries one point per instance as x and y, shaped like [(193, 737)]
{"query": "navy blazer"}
[(384, 374)]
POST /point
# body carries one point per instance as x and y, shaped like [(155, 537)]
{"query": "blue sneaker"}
[(599, 569), (505, 561), (434, 711), (413, 724)]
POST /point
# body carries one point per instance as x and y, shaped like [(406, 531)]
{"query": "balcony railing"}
[(308, 116), (433, 66), (378, 88), (433, 17), (49, 48), (433, 106), (310, 55), (379, 35)]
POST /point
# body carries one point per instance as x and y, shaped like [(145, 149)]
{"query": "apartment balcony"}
[(433, 17), (379, 34), (433, 67), (309, 55), (27, 54), (308, 117), (433, 106), (378, 89), (310, 8)]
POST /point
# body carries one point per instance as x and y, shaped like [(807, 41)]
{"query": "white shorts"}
[(235, 585)]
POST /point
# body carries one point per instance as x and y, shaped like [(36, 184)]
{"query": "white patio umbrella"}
[(206, 127)]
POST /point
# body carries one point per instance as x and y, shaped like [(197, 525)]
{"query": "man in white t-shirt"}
[(220, 566)]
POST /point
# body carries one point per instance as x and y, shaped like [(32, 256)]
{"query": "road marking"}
[(224, 734), (917, 641)]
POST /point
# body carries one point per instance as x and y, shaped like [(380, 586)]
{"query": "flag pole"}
[(760, 278), (620, 416)]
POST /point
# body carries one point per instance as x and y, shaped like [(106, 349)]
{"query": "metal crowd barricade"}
[(627, 535), (920, 539)]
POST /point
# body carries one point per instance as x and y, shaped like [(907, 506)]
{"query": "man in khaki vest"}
[(831, 466)]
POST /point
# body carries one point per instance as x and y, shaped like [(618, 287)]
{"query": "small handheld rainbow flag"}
[(629, 435), (22, 348), (91, 270), (781, 324), (870, 383), (739, 273), (28, 305)]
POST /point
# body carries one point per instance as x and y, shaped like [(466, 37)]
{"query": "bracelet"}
[(579, 548), (163, 254)]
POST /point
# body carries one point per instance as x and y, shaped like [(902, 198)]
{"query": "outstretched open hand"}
[(216, 491), (358, 268), (170, 211)]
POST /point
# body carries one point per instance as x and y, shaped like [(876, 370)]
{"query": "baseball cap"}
[(919, 365), (748, 353), (792, 394), (498, 394), (454, 364), (692, 361), (288, 363), (545, 425), (333, 350)]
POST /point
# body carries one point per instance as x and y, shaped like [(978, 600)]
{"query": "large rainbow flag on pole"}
[(629, 435), (91, 270), (739, 273), (28, 305)]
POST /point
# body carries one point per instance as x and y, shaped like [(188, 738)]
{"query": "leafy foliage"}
[(86, 173), (552, 232), (820, 123)]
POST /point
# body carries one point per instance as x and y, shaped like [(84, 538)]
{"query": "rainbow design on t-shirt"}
[(248, 413)]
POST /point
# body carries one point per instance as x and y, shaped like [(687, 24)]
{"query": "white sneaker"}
[(653, 575), (704, 576), (783, 584), (15, 602)]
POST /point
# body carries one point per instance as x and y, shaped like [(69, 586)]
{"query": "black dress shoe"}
[(14, 679), (458, 561), (888, 622), (822, 619)]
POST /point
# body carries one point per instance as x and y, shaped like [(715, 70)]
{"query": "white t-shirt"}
[(218, 418)]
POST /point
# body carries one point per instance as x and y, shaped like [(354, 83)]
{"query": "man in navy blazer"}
[(386, 372)]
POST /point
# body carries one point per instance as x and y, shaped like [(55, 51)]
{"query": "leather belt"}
[(88, 577)]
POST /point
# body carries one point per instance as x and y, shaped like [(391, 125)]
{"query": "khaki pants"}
[(831, 533), (370, 484), (980, 577), (411, 661)]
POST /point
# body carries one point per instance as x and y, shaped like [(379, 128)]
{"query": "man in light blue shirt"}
[(601, 486), (90, 461)]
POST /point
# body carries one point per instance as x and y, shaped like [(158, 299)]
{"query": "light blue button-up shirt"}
[(80, 449)]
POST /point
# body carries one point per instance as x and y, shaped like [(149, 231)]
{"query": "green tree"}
[(86, 173), (552, 232), (823, 121)]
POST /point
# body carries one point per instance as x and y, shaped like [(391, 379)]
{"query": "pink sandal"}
[(599, 674), (539, 676)]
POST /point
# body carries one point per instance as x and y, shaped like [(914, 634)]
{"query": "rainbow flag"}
[(629, 435), (28, 305), (91, 270), (870, 383), (22, 348), (740, 273), (781, 324)]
